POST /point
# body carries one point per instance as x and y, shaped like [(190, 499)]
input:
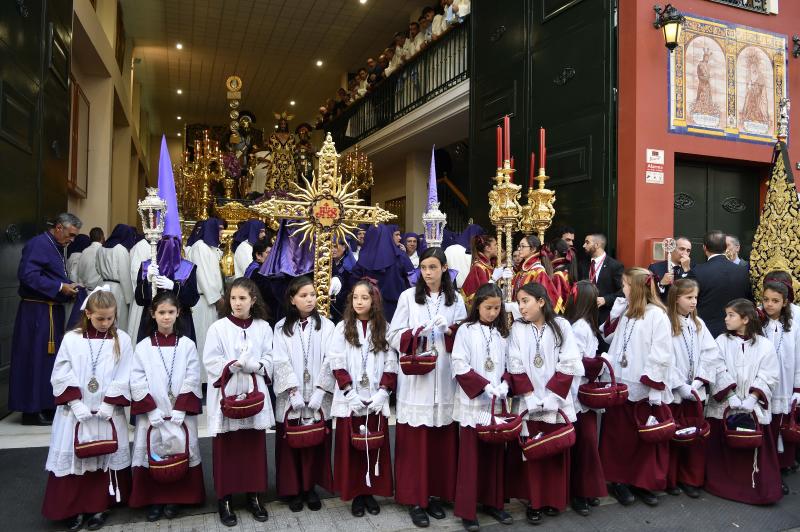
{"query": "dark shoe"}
[(647, 496), (226, 514), (534, 516), (97, 521), (580, 505), (784, 488), (372, 505), (622, 493), (690, 491), (255, 508), (418, 516), (312, 499), (171, 511), (296, 503), (550, 511), (154, 512), (593, 501), (673, 490), (500, 515), (471, 525), (37, 419), (357, 507), (435, 509), (74, 523)]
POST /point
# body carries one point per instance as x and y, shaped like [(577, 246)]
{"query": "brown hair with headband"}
[(101, 300), (642, 292)]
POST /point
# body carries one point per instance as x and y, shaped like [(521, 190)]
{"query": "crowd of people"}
[(561, 380), (433, 22)]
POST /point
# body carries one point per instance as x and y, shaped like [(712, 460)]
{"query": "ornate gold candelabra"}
[(357, 167), (504, 213), (538, 214), (195, 177), (325, 208), (232, 212)]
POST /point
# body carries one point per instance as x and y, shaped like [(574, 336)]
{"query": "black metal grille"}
[(759, 6)]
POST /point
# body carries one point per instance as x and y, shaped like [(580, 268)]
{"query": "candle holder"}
[(152, 210), (504, 213), (538, 214)]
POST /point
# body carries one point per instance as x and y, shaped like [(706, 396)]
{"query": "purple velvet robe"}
[(41, 272)]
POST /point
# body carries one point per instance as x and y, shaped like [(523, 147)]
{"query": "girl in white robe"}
[(239, 349), (543, 363), (696, 362), (140, 252), (641, 355), (365, 369), (205, 253), (478, 364), (744, 475), (302, 393), (166, 393), (91, 385), (113, 260), (781, 328), (426, 458)]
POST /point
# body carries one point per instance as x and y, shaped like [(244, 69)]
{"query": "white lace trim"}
[(284, 378), (438, 415), (64, 462)]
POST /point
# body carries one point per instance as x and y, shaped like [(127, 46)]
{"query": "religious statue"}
[(304, 151), (281, 170), (704, 101), (755, 111)]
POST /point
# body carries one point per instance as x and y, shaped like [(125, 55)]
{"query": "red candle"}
[(507, 131), (499, 147), (511, 175), (541, 147), (532, 171)]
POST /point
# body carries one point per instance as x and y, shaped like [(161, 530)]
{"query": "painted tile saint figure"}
[(704, 100), (754, 115)]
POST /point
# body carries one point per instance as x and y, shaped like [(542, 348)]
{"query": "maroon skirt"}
[(71, 495), (350, 464), (240, 462), (299, 470), (786, 459), (426, 463), (188, 490), (687, 464), (586, 472), (542, 482), (481, 475), (730, 473), (627, 459)]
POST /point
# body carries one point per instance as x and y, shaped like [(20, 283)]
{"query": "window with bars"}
[(759, 6)]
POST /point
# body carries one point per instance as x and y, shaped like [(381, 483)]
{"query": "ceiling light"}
[(319, 62), (179, 134), (179, 46), (291, 102), (179, 91), (362, 1), (179, 117)]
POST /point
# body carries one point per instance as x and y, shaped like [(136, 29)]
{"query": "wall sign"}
[(654, 169), (726, 81)]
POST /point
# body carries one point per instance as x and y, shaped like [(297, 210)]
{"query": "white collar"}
[(714, 255), (598, 260)]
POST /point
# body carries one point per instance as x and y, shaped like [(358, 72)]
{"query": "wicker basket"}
[(234, 408), (500, 433), (299, 436), (701, 424), (661, 432), (415, 364), (742, 439), (90, 449), (599, 395), (554, 441), (170, 469)]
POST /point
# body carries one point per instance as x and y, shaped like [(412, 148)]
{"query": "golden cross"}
[(324, 209)]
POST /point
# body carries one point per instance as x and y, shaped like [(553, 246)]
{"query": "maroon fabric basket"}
[(234, 408), (414, 364), (698, 421), (170, 469), (90, 449), (742, 439), (790, 430), (598, 395), (555, 440), (500, 433), (299, 436), (663, 431), (372, 441)]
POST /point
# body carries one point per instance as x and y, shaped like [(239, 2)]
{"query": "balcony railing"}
[(759, 6), (437, 68)]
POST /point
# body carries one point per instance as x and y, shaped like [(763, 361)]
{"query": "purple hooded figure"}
[(196, 234), (122, 234), (383, 261)]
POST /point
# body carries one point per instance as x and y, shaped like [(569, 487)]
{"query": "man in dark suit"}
[(603, 271), (721, 281), (676, 266), (732, 252)]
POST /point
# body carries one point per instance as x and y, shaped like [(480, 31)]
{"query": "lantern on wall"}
[(670, 20)]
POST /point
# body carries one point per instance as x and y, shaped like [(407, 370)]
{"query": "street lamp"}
[(671, 21)]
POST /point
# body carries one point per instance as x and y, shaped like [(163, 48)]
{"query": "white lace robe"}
[(587, 343), (425, 399), (242, 258), (112, 265), (149, 376), (73, 368), (210, 286), (787, 345), (705, 362)]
